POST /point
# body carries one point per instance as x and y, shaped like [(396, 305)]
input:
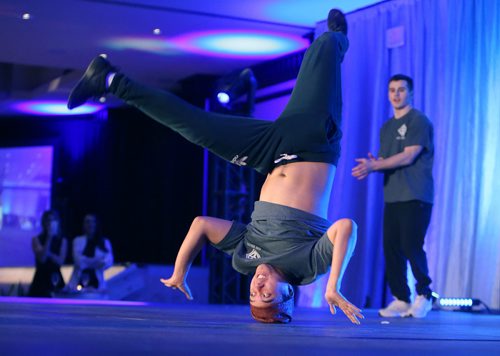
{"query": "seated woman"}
[(92, 254), (50, 250)]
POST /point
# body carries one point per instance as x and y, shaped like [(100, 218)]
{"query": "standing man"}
[(406, 156)]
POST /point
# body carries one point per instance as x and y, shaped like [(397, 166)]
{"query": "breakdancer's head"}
[(337, 22), (271, 296)]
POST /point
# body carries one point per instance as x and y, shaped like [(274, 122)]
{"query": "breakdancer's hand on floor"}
[(336, 299), (178, 283), (203, 228)]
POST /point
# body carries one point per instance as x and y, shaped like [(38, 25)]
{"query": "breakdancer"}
[(289, 240)]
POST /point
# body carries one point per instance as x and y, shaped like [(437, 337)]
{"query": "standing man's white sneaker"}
[(397, 308), (420, 307)]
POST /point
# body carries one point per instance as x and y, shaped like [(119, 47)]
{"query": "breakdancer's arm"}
[(203, 228), (343, 236)]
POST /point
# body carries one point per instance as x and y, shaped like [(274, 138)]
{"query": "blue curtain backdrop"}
[(452, 50)]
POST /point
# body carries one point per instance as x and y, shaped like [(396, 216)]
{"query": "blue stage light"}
[(223, 97), (456, 302), (235, 85), (463, 304)]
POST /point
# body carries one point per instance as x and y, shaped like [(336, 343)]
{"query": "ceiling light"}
[(152, 45), (240, 43)]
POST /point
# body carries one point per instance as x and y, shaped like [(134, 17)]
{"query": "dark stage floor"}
[(61, 327)]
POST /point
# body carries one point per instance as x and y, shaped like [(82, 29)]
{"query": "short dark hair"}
[(406, 78), (336, 21), (280, 312)]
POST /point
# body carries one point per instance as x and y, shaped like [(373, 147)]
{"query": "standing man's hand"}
[(365, 166)]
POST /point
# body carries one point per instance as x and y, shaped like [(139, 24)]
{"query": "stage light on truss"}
[(233, 86)]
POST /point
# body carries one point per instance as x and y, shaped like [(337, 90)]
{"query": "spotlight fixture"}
[(223, 97), (233, 86), (26, 16)]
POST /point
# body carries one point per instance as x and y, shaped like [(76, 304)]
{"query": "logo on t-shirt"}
[(239, 161), (402, 132), (252, 255)]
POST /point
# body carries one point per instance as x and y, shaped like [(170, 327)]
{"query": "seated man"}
[(289, 240)]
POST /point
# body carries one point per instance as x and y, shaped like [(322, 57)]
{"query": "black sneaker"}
[(92, 84), (337, 22)]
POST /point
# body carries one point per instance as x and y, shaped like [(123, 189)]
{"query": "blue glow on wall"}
[(54, 108)]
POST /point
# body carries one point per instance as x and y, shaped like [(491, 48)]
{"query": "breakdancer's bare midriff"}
[(301, 185)]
